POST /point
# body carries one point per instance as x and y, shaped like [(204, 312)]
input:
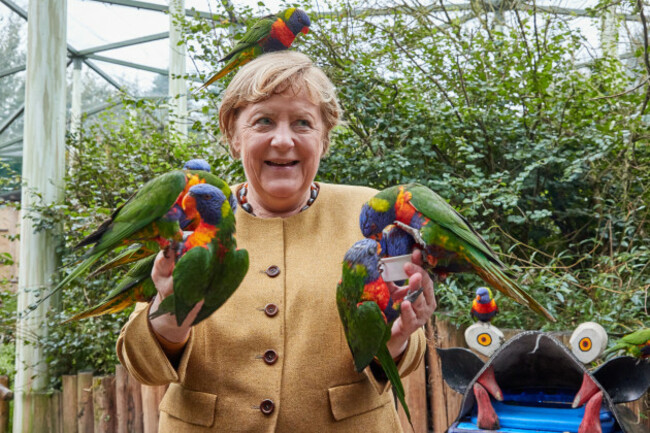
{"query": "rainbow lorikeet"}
[(135, 286), (449, 242), (270, 33), (138, 251), (150, 218), (210, 267), (484, 308), (636, 344), (368, 312)]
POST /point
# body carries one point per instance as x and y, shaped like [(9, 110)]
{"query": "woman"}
[(274, 357)]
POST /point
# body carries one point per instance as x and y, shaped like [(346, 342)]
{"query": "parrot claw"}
[(415, 233)]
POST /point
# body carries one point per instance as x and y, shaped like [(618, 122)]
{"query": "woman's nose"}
[(282, 137)]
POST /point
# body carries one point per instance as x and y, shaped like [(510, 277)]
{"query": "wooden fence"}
[(107, 404)]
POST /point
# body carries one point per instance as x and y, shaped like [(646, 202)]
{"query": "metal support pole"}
[(177, 83), (75, 106), (43, 172), (609, 33)]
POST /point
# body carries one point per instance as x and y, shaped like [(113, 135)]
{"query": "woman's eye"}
[(304, 123), (263, 121)]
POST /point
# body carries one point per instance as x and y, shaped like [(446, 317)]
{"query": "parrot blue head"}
[(373, 219), (209, 200), (364, 253), (197, 164), (298, 22), (396, 242), (484, 295)]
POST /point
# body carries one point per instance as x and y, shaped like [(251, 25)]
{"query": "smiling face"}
[(280, 141)]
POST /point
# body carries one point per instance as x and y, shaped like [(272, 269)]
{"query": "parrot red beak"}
[(189, 206), (305, 30)]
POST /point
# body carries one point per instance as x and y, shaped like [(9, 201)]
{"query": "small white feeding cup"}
[(394, 267)]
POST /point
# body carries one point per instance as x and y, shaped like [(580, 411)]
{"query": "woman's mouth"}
[(281, 163)]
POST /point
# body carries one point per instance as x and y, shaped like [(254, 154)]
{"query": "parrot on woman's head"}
[(367, 312), (450, 244), (270, 33), (210, 267)]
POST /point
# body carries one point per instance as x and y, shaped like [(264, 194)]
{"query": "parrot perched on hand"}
[(483, 307), (150, 218), (367, 312), (210, 267), (270, 33), (449, 242), (636, 344), (135, 286)]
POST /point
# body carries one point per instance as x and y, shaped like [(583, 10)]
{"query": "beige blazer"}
[(274, 358)]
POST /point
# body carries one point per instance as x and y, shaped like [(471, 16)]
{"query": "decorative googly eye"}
[(484, 338), (588, 341)]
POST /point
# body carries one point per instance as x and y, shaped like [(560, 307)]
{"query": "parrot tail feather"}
[(83, 267), (109, 306), (127, 256), (222, 73), (497, 278), (389, 367)]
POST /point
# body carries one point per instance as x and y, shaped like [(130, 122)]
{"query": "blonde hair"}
[(275, 73)]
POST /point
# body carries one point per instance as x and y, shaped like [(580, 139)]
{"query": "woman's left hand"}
[(412, 315)]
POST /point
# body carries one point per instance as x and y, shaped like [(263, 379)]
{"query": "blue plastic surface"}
[(537, 411)]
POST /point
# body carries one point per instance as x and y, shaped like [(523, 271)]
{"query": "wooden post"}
[(128, 402), (104, 404), (85, 413), (69, 403), (177, 59), (121, 399), (135, 416), (43, 171), (42, 412), (445, 402), (151, 397), (415, 388), (5, 396)]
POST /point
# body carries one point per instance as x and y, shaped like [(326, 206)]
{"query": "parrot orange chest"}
[(484, 308), (377, 291), (282, 33), (202, 236)]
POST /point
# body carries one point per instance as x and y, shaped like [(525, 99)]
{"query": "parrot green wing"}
[(228, 276), (434, 207), (260, 30), (366, 333), (151, 202), (192, 275), (641, 336)]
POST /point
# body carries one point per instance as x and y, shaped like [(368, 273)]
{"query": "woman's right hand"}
[(162, 275)]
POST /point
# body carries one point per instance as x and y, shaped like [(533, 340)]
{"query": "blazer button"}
[(270, 356), (272, 271), (271, 310), (267, 406)]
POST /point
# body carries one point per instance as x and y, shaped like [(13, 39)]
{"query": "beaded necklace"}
[(243, 201)]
